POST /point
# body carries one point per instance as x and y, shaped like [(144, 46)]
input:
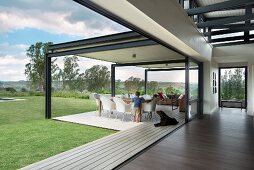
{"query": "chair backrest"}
[(147, 97), (151, 106), (120, 104), (107, 104)]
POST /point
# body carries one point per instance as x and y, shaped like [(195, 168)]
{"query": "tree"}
[(170, 90), (97, 78), (118, 86), (133, 84), (80, 82), (70, 72), (232, 84), (35, 69), (152, 87)]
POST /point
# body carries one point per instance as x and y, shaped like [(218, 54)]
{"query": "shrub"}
[(70, 94), (10, 89), (23, 89)]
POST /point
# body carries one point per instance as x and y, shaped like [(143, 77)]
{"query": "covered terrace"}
[(131, 49), (123, 49)]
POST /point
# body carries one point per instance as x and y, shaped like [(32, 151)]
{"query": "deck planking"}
[(110, 151)]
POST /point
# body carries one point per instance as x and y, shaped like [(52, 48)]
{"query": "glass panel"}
[(193, 90), (232, 80)]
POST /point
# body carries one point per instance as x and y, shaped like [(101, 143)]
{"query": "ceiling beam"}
[(150, 63), (219, 6), (123, 45), (230, 26), (231, 30), (225, 21), (233, 43), (235, 38)]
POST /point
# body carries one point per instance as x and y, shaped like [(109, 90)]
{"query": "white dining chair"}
[(108, 106), (123, 107), (150, 108)]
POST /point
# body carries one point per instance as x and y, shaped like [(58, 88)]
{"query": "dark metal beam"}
[(235, 38), (230, 31), (227, 39), (233, 43), (248, 11), (166, 69), (220, 6), (107, 38), (48, 88), (150, 63), (225, 21), (229, 26), (104, 48)]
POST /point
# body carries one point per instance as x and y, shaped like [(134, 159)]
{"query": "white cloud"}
[(15, 49), (12, 61), (57, 22)]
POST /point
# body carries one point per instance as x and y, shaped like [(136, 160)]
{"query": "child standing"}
[(137, 106)]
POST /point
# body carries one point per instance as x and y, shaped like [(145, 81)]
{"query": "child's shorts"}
[(137, 111)]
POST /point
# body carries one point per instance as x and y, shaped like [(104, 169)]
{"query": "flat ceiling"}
[(135, 55)]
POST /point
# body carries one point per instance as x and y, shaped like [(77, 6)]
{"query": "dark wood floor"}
[(224, 140)]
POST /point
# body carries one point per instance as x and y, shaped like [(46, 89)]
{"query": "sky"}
[(25, 22)]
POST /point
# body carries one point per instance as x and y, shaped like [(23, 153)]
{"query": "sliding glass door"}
[(194, 81)]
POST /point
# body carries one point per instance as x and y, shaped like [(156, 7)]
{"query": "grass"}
[(26, 137)]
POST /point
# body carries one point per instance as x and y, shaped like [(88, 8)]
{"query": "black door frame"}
[(246, 83)]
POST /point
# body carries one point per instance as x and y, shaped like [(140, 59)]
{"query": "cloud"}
[(58, 17), (18, 50), (12, 67)]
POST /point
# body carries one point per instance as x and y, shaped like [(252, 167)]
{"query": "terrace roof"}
[(121, 48)]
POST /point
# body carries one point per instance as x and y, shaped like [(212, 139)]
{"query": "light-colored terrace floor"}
[(110, 151), (223, 140)]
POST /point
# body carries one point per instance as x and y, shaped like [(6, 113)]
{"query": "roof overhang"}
[(122, 48), (166, 23)]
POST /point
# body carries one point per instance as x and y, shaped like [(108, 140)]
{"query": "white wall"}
[(239, 55), (210, 99), (250, 104)]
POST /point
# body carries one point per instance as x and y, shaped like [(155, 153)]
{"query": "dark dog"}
[(165, 120)]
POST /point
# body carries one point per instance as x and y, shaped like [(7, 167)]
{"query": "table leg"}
[(99, 107)]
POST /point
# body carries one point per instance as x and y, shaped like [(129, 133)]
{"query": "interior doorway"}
[(233, 87)]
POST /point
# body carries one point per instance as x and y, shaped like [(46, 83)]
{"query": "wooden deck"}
[(110, 151)]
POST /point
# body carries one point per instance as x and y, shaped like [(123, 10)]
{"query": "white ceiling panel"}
[(143, 54)]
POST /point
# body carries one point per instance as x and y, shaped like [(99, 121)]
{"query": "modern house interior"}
[(204, 38)]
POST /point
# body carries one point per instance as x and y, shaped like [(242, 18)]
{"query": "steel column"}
[(113, 77), (146, 81), (200, 90), (187, 72), (48, 88)]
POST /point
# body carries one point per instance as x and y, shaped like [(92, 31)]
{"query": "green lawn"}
[(26, 137)]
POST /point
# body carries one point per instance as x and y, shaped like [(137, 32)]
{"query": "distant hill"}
[(18, 85)]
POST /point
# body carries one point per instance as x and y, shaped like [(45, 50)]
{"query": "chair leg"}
[(123, 117)]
